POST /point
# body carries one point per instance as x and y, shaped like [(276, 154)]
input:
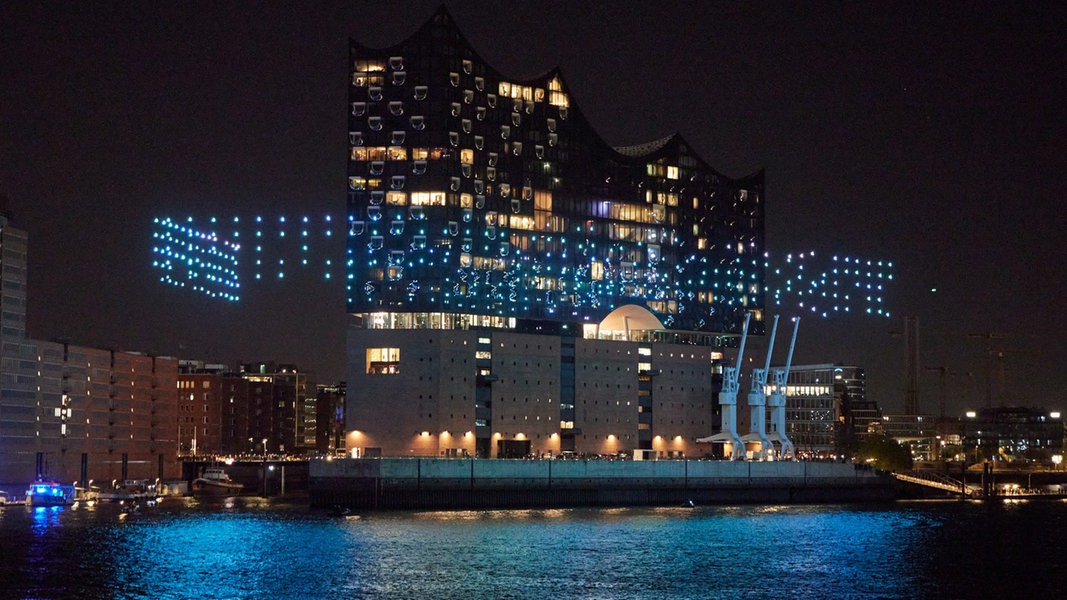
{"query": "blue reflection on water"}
[(251, 549)]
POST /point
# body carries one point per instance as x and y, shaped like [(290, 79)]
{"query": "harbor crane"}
[(777, 402), (757, 404), (728, 402)]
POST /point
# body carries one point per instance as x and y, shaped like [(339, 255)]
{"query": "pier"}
[(429, 483)]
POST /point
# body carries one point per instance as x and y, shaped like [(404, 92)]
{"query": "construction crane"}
[(779, 388), (994, 364), (728, 401)]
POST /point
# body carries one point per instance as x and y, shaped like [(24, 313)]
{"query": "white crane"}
[(757, 404), (728, 402), (777, 402)]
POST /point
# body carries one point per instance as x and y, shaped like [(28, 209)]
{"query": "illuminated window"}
[(397, 153), (396, 198), (672, 172), (383, 361), (428, 198), (596, 273)]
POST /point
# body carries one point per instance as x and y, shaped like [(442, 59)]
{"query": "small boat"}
[(129, 491), (49, 493), (215, 481)]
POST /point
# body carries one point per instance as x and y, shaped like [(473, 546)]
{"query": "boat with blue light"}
[(50, 493)]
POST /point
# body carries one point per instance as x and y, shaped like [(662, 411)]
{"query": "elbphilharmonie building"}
[(517, 284)]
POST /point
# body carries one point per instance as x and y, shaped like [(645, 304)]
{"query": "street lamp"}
[(1056, 460)]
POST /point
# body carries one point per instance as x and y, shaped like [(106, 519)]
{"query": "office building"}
[(1013, 434), (827, 411), (76, 413), (330, 419), (258, 408), (517, 284)]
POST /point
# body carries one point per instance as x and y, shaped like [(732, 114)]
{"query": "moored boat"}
[(49, 493), (215, 481)]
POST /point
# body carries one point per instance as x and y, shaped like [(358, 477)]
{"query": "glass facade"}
[(472, 193)]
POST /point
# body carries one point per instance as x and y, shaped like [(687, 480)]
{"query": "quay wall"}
[(427, 483)]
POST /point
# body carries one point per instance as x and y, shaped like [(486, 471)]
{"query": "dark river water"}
[(249, 548)]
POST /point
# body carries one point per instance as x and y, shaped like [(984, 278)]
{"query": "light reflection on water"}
[(250, 548)]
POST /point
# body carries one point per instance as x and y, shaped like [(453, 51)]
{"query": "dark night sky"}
[(929, 134)]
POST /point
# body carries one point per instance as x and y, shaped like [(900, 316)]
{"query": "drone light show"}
[(221, 258)]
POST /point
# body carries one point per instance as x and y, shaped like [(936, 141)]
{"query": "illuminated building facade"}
[(1013, 433), (482, 202), (259, 408), (827, 411)]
